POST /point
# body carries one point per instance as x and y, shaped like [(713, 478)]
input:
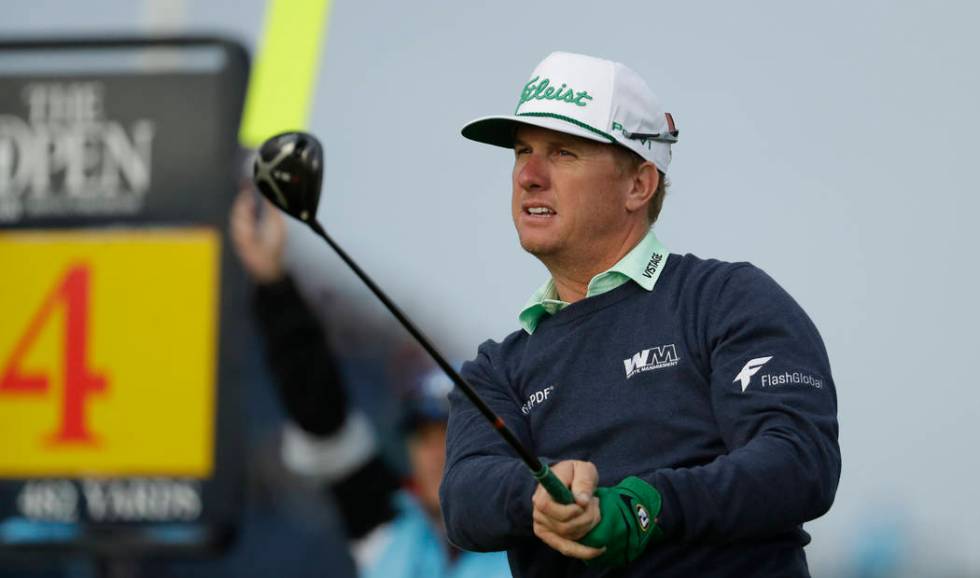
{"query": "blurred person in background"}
[(394, 525)]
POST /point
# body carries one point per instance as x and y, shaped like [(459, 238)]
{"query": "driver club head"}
[(288, 171)]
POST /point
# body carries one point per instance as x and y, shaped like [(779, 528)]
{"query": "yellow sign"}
[(107, 352)]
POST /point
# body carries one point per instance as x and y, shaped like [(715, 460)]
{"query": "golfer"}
[(687, 403)]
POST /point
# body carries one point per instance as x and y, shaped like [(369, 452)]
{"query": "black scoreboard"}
[(121, 307)]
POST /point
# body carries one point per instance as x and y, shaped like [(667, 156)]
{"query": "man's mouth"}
[(539, 211)]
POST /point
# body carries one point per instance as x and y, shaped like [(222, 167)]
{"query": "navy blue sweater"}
[(714, 387)]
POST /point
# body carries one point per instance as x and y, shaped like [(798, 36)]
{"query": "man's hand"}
[(629, 522), (259, 242), (562, 525)]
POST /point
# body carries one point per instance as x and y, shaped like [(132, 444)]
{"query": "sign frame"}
[(222, 492)]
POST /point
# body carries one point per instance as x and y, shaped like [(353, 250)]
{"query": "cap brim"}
[(500, 130)]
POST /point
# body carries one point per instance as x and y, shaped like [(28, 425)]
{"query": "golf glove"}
[(629, 522)]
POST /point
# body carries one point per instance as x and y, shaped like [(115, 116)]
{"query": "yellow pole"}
[(283, 78)]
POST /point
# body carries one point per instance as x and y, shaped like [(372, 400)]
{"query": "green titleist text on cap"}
[(544, 91)]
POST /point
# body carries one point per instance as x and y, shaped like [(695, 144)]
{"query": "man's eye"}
[(521, 150), (565, 153)]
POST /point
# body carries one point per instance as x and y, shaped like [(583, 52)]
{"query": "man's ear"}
[(644, 185)]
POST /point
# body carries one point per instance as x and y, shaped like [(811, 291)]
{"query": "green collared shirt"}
[(643, 264)]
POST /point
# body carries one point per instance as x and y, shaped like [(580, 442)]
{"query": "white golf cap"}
[(589, 97)]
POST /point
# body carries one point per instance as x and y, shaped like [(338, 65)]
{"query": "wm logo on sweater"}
[(649, 359)]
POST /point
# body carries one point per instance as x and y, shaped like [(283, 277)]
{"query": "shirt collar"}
[(643, 265)]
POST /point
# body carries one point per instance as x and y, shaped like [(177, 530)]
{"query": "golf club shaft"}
[(541, 472)]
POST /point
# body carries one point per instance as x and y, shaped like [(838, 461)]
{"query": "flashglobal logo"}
[(751, 368), (66, 157), (791, 378)]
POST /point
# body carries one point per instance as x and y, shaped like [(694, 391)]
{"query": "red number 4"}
[(73, 291)]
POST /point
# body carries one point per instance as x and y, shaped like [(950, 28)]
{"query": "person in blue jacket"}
[(687, 403), (394, 524)]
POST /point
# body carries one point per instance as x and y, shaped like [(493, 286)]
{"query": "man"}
[(395, 526), (687, 403)]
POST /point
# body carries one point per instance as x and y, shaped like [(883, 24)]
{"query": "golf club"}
[(288, 171)]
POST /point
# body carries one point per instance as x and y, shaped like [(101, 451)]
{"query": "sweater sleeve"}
[(776, 407), (304, 367), (486, 489), (326, 441)]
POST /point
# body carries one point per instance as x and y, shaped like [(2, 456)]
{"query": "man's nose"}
[(533, 174)]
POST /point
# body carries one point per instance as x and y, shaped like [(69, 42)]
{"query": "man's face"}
[(569, 196), (427, 452)]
